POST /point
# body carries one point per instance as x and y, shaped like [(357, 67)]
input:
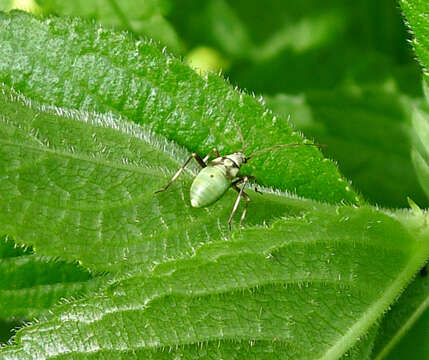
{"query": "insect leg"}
[(241, 194), (214, 151), (243, 215), (251, 177), (176, 175)]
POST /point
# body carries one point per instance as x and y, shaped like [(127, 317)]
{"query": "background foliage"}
[(87, 112)]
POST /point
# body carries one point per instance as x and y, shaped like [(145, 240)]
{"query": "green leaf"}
[(113, 73), (315, 45), (414, 344), (75, 184), (80, 186), (404, 329), (420, 151), (367, 132), (417, 15), (32, 284), (7, 329), (145, 18), (269, 293), (363, 349)]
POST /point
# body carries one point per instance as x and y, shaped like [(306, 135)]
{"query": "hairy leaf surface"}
[(269, 293), (77, 181), (80, 186), (403, 332), (77, 185), (31, 284), (113, 73), (417, 15)]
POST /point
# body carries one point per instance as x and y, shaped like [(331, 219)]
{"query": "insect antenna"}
[(243, 144), (259, 152)]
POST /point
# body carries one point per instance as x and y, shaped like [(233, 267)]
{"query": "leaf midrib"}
[(42, 287), (150, 171)]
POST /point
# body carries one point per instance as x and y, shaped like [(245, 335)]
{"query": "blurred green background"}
[(342, 71)]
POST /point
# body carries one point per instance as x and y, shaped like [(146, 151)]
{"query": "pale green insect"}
[(218, 175)]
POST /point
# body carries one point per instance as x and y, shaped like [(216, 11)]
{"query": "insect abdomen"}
[(209, 185)]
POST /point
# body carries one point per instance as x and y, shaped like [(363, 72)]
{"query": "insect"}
[(220, 174)]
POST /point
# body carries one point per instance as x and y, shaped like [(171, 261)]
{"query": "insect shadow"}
[(221, 173)]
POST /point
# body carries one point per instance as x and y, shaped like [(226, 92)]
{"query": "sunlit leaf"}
[(81, 187), (135, 80)]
